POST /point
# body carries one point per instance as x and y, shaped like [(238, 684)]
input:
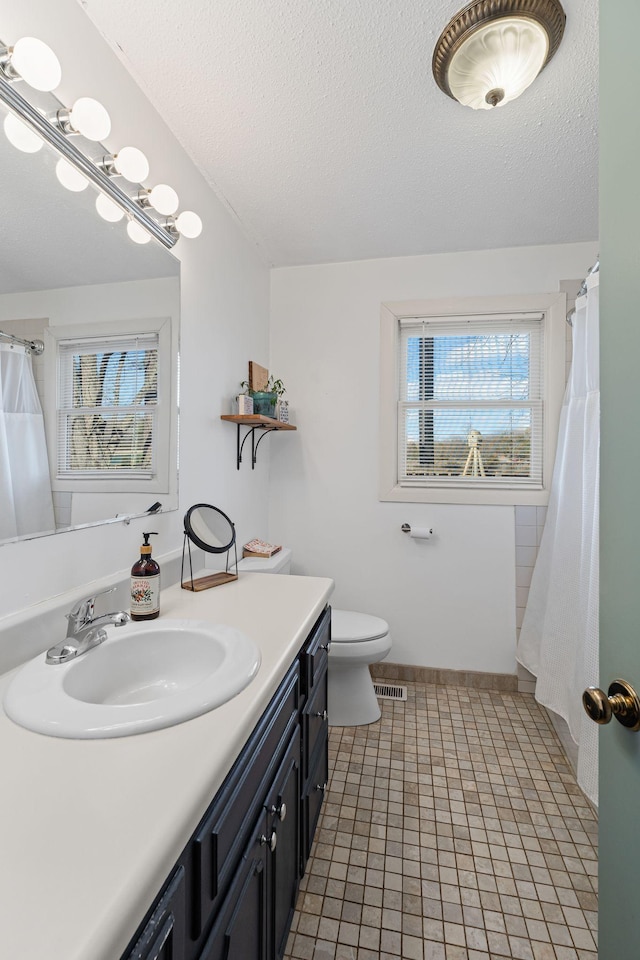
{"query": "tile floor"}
[(452, 829)]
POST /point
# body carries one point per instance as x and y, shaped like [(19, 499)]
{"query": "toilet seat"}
[(347, 626)]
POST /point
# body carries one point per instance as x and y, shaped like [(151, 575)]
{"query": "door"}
[(620, 469)]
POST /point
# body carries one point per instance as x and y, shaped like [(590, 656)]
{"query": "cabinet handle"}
[(322, 714), (325, 646), (280, 812), (272, 840), (322, 786)]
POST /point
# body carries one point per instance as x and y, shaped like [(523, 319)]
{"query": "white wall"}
[(450, 601), (224, 323)]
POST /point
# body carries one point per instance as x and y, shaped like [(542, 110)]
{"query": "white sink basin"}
[(144, 676)]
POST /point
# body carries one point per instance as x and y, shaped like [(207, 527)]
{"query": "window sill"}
[(531, 498)]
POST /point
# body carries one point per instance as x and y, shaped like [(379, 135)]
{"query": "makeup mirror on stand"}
[(211, 530)]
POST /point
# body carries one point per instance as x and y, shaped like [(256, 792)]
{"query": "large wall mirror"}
[(107, 310)]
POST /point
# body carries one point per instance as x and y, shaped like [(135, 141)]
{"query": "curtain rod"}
[(33, 346), (583, 289)]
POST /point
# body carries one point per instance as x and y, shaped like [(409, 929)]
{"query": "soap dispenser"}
[(145, 584)]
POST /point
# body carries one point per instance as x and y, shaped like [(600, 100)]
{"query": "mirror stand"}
[(211, 579)]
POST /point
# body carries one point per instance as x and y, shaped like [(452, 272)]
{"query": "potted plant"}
[(264, 401)]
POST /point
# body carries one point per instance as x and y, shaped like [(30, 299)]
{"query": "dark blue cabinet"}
[(232, 894)]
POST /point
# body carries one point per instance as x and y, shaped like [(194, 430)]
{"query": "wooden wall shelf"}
[(253, 422)]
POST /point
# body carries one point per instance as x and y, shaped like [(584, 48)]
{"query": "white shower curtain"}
[(559, 636), (26, 505)]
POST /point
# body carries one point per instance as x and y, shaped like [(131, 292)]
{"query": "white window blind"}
[(470, 409), (108, 407)]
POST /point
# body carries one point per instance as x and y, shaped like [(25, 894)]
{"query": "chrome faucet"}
[(85, 630)]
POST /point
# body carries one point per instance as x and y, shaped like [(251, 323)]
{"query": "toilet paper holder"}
[(406, 528)]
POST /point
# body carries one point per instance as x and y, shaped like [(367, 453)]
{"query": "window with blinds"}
[(108, 407), (470, 409)]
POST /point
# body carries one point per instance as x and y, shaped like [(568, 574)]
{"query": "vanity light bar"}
[(66, 148), (39, 67)]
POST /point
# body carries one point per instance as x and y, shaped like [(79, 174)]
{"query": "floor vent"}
[(386, 691)]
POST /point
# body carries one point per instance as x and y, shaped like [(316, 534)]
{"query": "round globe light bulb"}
[(137, 233), (164, 199), (107, 209), (69, 177), (189, 224), (21, 136), (89, 118), (131, 164), (36, 63)]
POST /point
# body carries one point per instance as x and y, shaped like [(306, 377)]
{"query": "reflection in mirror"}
[(68, 277), (211, 530)]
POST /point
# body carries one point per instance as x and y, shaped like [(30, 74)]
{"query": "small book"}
[(259, 548)]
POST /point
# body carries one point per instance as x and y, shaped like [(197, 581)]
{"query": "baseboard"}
[(476, 679)]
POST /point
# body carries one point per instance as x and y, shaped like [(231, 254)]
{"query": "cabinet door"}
[(225, 830), (284, 809), (163, 935), (315, 724), (239, 932), (313, 797)]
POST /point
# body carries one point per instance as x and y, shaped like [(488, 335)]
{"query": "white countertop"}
[(89, 829)]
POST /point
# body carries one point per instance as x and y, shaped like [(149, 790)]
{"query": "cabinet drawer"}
[(219, 841), (314, 720), (313, 796), (163, 934), (315, 652)]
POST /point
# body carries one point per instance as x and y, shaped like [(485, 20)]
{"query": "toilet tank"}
[(280, 562)]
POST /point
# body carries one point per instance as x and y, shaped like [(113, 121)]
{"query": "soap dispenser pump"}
[(145, 584)]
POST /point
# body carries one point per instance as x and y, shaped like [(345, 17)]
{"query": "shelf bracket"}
[(251, 432), (252, 423), (254, 449)]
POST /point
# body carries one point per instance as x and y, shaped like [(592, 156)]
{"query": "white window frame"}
[(553, 308), (160, 482)]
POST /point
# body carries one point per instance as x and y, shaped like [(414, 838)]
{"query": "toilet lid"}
[(346, 625)]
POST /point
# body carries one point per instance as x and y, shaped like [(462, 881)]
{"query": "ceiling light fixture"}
[(492, 50), (33, 61)]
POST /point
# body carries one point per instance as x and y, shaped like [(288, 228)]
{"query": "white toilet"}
[(357, 639)]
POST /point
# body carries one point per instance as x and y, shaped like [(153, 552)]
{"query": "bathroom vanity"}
[(185, 843), (233, 890)]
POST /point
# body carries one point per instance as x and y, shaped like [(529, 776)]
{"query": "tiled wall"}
[(529, 527)]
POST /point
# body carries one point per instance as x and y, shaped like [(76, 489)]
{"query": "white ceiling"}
[(321, 127)]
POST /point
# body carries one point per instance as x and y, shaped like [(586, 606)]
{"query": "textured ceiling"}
[(321, 127)]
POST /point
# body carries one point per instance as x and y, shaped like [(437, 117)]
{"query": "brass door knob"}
[(622, 702)]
